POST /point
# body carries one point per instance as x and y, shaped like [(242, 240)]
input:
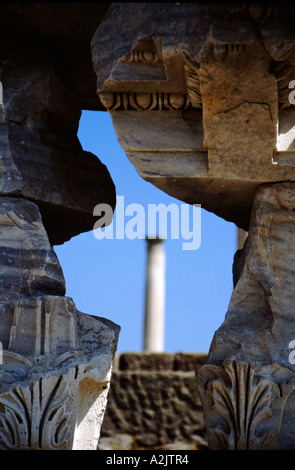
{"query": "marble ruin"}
[(56, 361), (201, 96)]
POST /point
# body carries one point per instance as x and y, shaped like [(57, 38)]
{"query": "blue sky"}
[(107, 277)]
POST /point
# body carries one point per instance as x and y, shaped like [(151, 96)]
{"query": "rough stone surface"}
[(154, 403), (145, 361), (250, 352), (160, 361), (28, 264), (41, 156), (261, 305)]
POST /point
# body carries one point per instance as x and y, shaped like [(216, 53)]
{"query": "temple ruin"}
[(201, 97)]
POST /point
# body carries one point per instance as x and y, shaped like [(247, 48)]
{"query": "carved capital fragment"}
[(55, 376), (244, 404), (247, 387)]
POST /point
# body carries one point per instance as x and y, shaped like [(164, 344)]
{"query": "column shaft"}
[(155, 297)]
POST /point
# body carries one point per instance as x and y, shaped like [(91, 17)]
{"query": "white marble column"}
[(155, 297)]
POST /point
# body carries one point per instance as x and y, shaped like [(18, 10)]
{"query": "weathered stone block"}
[(154, 403), (28, 265), (248, 385), (223, 87), (55, 378)]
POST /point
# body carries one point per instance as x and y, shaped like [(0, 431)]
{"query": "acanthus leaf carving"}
[(191, 70), (246, 405), (36, 416)]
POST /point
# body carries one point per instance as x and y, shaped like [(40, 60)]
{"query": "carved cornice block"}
[(222, 75)]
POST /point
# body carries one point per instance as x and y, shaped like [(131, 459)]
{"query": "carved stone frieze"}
[(144, 101), (223, 72), (147, 51)]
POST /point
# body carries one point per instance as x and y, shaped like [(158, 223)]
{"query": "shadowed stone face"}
[(41, 156)]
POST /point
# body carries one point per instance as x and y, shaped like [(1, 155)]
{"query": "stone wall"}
[(154, 403)]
